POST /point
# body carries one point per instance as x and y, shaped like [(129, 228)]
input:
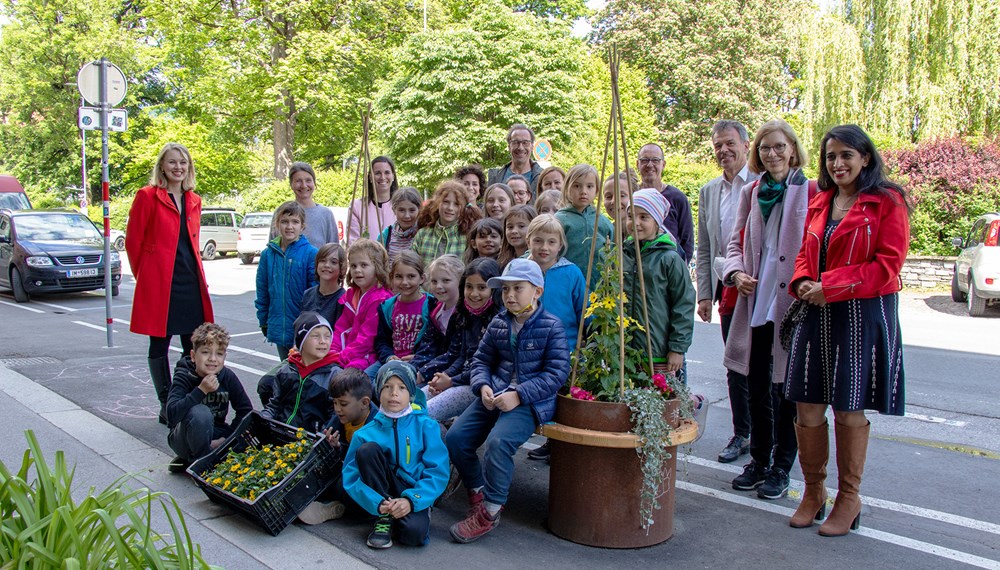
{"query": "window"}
[(976, 233)]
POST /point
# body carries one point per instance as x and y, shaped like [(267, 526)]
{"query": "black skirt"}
[(185, 311)]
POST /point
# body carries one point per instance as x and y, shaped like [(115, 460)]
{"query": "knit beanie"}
[(405, 372), (654, 203), (304, 325)]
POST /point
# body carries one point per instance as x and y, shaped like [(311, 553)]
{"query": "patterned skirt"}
[(849, 355)]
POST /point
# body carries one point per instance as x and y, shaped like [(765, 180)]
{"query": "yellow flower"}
[(270, 473), (217, 480), (225, 484)]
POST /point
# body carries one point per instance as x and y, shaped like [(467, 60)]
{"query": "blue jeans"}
[(192, 437), (503, 433)]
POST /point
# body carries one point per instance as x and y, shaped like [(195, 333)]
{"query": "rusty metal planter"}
[(595, 477)]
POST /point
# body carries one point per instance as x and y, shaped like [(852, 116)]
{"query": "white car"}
[(218, 231), (252, 236), (977, 270)]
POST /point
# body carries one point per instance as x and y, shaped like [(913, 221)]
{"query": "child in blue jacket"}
[(521, 363), (287, 268), (397, 466)]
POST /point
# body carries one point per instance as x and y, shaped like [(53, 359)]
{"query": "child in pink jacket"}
[(355, 330)]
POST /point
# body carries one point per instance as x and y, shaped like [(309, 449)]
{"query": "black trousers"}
[(739, 393), (771, 415), (375, 469)]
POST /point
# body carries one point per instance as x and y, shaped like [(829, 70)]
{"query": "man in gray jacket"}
[(716, 217)]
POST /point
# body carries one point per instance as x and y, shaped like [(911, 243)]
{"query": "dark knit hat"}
[(304, 325), (405, 372)]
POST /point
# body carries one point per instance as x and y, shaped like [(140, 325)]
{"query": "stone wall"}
[(927, 271)]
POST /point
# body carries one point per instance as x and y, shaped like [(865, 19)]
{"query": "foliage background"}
[(251, 86)]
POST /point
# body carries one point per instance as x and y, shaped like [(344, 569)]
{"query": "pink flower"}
[(660, 381), (578, 393)]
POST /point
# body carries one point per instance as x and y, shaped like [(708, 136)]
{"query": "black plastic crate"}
[(277, 507)]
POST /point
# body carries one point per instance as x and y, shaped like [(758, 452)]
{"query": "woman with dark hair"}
[(474, 179), (368, 216), (759, 263), (320, 224), (171, 295), (846, 351)]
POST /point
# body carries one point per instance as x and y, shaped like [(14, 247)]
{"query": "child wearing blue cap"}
[(397, 465), (519, 367)]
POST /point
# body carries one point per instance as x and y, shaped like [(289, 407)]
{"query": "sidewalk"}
[(103, 453)]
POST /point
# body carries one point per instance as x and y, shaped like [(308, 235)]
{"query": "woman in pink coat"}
[(760, 262), (368, 216)]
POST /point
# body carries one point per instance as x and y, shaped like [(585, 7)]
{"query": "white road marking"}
[(55, 306), (957, 520), (245, 334), (102, 307), (91, 326), (890, 538), (263, 355), (20, 306), (935, 420), (232, 364)]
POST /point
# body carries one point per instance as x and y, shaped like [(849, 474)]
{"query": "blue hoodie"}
[(564, 296), (282, 278)]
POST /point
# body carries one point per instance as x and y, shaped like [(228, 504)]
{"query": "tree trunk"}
[(284, 121)]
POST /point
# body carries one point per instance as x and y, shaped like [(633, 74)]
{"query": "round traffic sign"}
[(542, 150), (89, 82)]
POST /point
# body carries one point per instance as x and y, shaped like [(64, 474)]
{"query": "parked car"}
[(118, 239), (977, 270), (219, 229), (12, 195), (252, 236), (52, 251)]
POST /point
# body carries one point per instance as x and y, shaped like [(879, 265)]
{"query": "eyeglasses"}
[(778, 149), (517, 142), (650, 160)]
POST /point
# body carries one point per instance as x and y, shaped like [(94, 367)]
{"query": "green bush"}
[(689, 176), (42, 526), (333, 188)]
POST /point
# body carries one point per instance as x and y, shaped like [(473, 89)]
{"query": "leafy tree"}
[(704, 60), (42, 47), (458, 90), (557, 9), (290, 73)]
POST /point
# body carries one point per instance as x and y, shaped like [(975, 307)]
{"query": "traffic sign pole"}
[(105, 107)]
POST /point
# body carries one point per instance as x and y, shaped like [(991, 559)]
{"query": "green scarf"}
[(770, 193)]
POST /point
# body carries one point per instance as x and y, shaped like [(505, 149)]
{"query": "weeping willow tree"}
[(931, 67)]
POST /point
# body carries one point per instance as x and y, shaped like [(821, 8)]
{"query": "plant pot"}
[(595, 482)]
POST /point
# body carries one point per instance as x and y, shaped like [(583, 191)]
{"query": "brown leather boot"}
[(852, 447), (814, 452)]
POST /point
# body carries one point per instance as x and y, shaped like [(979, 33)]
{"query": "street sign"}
[(88, 81), (90, 119), (542, 150)]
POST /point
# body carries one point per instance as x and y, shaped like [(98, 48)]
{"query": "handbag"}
[(790, 321)]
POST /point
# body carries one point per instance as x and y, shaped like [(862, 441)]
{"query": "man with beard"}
[(716, 217), (678, 221), (520, 141)]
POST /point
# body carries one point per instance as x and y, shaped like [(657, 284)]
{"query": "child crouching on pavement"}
[(397, 466), (199, 398), (301, 397), (519, 367), (353, 409)]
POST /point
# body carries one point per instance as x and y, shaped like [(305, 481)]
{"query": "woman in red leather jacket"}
[(171, 296), (846, 352)]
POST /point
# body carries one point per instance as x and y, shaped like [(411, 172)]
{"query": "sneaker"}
[(318, 513), (475, 526), (454, 482), (475, 501), (700, 413), (775, 485), (540, 453), (381, 535), (753, 476), (178, 465), (736, 447)]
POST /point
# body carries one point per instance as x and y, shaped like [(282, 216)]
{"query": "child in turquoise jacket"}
[(397, 465)]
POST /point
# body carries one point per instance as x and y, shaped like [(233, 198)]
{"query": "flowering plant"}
[(252, 472), (599, 364)]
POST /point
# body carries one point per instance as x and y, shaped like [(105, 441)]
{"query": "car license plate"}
[(92, 272)]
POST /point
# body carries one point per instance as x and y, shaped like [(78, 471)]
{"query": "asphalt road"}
[(929, 482)]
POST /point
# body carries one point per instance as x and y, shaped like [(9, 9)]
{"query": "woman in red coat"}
[(171, 296), (846, 352)]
